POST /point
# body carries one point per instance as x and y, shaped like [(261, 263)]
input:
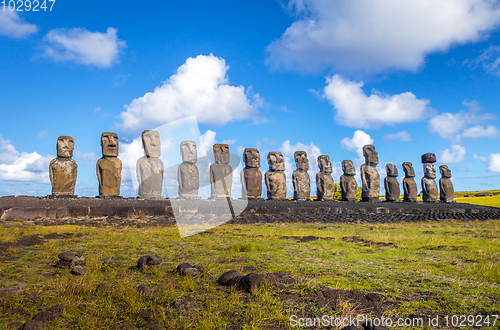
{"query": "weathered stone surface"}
[(369, 176), (348, 185), (300, 178), (391, 183), (428, 158), (63, 169), (67, 256), (251, 176), (221, 177), (142, 262), (324, 181), (446, 191), (109, 167), (429, 186), (226, 278), (187, 172), (149, 168), (275, 178), (409, 184), (79, 261), (78, 270)]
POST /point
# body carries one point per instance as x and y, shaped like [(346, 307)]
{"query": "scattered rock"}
[(352, 327), (67, 256), (199, 268), (34, 325), (249, 283), (151, 260), (188, 270), (103, 287), (78, 271), (225, 278), (183, 266), (141, 264), (144, 289), (146, 315), (63, 263), (79, 261), (49, 314)]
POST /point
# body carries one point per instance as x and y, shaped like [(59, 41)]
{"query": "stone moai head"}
[(445, 171), (65, 146), (109, 144), (391, 170), (275, 161), (301, 160), (429, 171), (348, 167), (409, 171), (188, 152), (251, 158), (221, 153), (151, 143), (324, 164), (371, 156)]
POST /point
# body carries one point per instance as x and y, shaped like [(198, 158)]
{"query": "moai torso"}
[(149, 168), (324, 181), (275, 178), (251, 176), (446, 191), (391, 183), (409, 184), (300, 178), (369, 176), (109, 167), (221, 173), (429, 186), (187, 172), (63, 169), (348, 185)]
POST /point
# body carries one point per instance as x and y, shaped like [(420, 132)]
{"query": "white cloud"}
[(456, 155), (403, 136), (490, 60), (200, 88), (207, 141), (89, 157), (355, 109), (494, 164), (483, 159), (476, 132), (359, 139), (375, 35), (229, 142), (13, 26), (83, 47)]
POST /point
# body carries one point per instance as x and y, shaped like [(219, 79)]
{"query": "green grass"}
[(486, 200)]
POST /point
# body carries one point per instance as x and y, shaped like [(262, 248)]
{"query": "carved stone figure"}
[(446, 191), (369, 176), (391, 183), (250, 176), (324, 181), (409, 184), (275, 178), (429, 186), (300, 178), (62, 170), (348, 185), (187, 172), (149, 168), (109, 167), (221, 177)]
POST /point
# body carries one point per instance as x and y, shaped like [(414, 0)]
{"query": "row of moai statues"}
[(149, 171)]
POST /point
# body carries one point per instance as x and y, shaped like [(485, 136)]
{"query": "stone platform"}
[(32, 208)]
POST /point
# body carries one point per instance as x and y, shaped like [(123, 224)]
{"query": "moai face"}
[(65, 146), (109, 144), (221, 153), (371, 156), (188, 152), (429, 171), (348, 167), (251, 157), (151, 143), (409, 171), (324, 164), (301, 160), (445, 171), (391, 170), (275, 161)]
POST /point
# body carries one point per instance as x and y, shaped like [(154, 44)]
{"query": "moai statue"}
[(429, 187), (250, 176), (109, 167), (187, 172), (300, 177), (446, 191), (409, 184), (275, 178), (391, 183), (324, 181), (221, 173), (348, 185), (369, 176), (149, 168), (62, 170)]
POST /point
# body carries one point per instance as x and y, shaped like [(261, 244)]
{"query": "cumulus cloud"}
[(83, 47), (207, 140), (359, 139), (13, 26), (483, 159), (90, 158), (494, 163), (200, 88), (477, 132), (403, 136), (355, 109), (490, 60), (456, 155), (375, 35)]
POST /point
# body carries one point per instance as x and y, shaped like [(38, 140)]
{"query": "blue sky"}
[(322, 76)]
